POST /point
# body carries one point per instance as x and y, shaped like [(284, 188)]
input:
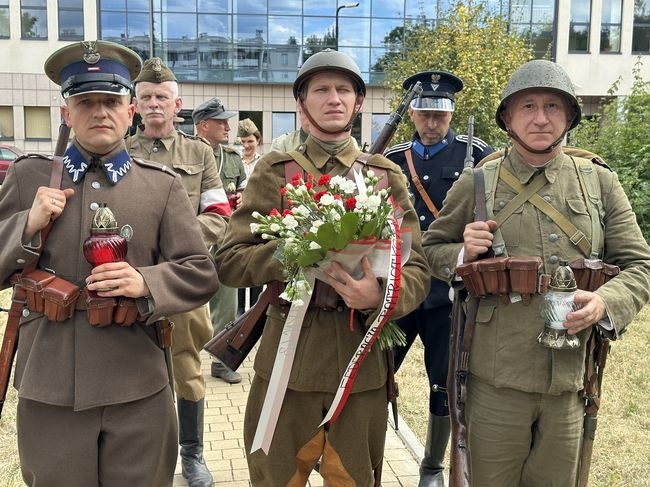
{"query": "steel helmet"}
[(329, 60), (540, 74)]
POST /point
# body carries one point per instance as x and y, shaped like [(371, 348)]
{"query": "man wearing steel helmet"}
[(95, 404), (434, 159), (330, 92), (524, 410)]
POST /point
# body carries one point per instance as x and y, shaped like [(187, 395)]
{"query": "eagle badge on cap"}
[(91, 56), (157, 65), (435, 77)]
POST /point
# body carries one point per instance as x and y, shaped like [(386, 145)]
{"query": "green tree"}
[(620, 134), (475, 44)]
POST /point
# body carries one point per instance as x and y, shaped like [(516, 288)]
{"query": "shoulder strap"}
[(491, 175), (590, 186), (418, 185), (305, 163)]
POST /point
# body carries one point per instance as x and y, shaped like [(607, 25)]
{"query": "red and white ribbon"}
[(390, 299)]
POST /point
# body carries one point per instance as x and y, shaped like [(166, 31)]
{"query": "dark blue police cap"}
[(439, 90), (93, 67)]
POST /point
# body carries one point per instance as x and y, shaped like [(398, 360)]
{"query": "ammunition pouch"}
[(58, 299), (499, 276)]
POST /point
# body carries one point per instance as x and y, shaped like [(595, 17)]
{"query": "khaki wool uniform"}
[(326, 343), (223, 305), (507, 364), (192, 158), (83, 370)]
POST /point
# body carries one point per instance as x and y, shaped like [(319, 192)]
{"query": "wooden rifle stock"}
[(379, 146), (10, 338)]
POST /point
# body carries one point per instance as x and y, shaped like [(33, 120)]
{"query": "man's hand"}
[(364, 293), (48, 205), (117, 279), (592, 310), (477, 239)]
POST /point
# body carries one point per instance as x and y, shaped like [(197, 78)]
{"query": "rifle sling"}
[(418, 184), (10, 338), (529, 193)]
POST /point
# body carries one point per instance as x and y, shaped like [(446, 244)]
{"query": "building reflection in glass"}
[(262, 41)]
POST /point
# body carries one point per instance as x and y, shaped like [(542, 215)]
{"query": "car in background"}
[(8, 154)]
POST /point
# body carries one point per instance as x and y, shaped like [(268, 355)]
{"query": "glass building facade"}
[(265, 41)]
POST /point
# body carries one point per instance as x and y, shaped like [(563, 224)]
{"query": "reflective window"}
[(214, 6), (71, 20), (4, 19), (579, 25), (641, 28), (33, 19), (282, 123), (250, 29), (534, 20), (354, 32), (285, 7), (249, 6), (388, 8), (610, 26), (383, 31), (178, 6), (285, 30)]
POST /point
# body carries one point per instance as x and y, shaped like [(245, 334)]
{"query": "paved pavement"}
[(224, 442)]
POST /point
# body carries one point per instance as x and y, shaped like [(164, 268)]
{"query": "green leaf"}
[(349, 224), (369, 229), (310, 257), (326, 236)]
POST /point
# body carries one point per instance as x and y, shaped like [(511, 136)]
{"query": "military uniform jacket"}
[(230, 167), (72, 363), (193, 159), (326, 343), (505, 352), (438, 167)]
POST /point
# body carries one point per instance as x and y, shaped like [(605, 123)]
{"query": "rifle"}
[(469, 154), (462, 333), (10, 339), (394, 119), (597, 351)]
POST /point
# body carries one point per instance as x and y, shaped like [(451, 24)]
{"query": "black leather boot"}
[(190, 438), (432, 466)]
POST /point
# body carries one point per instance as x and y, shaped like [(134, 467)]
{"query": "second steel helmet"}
[(540, 74), (328, 60)]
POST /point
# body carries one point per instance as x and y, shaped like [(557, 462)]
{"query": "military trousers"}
[(192, 330), (132, 444), (223, 308), (433, 326), (521, 438), (350, 449)]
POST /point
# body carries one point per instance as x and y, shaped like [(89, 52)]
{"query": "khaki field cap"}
[(211, 109), (247, 127), (540, 75), (155, 71), (93, 67)]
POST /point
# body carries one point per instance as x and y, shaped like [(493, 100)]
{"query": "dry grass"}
[(622, 446)]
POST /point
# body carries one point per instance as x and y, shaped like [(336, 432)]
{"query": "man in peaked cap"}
[(157, 102), (92, 399), (432, 161), (211, 123)]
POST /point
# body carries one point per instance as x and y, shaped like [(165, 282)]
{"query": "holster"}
[(60, 297), (98, 309)]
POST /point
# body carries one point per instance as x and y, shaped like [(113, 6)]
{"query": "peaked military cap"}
[(155, 70), (439, 90), (93, 67), (211, 109)]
